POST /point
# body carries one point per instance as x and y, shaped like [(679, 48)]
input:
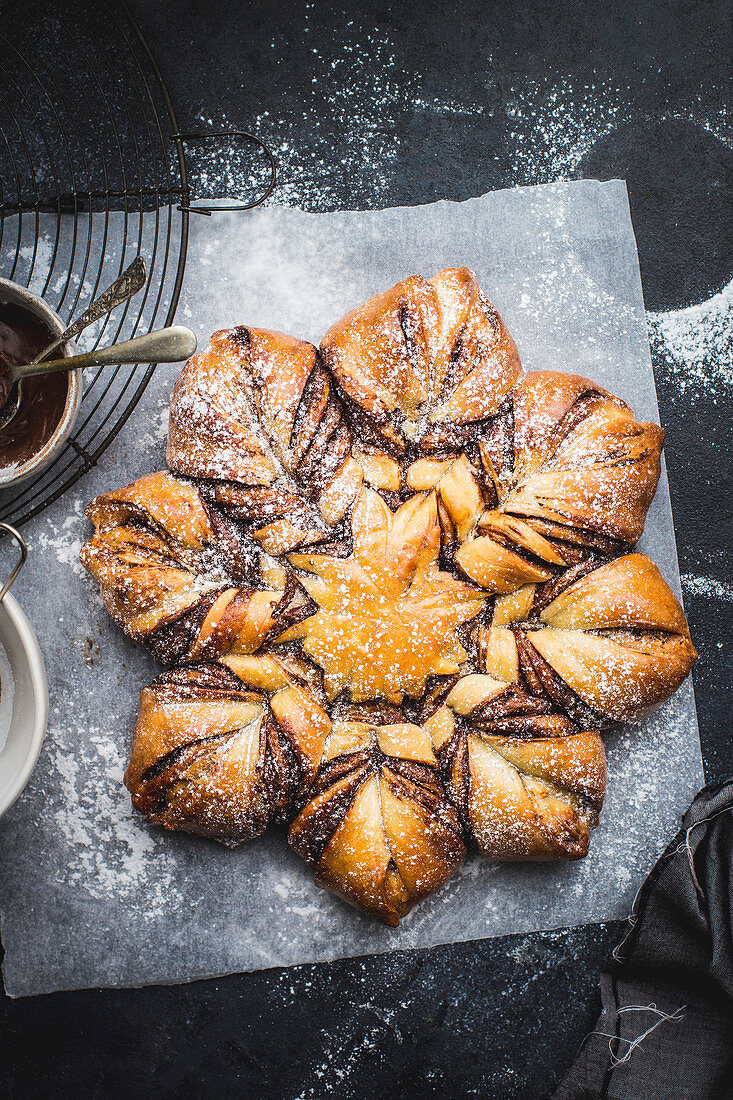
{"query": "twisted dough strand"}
[(255, 413)]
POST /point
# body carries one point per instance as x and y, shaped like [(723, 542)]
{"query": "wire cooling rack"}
[(86, 130), (90, 152), (92, 174), (86, 125)]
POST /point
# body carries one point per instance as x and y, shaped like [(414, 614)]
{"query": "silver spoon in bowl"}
[(166, 345), (129, 282)]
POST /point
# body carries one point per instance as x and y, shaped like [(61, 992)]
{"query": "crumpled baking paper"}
[(89, 894)]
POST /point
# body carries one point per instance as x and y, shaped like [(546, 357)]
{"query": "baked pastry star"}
[(395, 586)]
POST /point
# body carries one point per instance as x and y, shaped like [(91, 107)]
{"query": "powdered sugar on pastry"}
[(393, 580)]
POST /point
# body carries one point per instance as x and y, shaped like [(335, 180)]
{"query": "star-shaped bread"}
[(388, 615), (394, 585)]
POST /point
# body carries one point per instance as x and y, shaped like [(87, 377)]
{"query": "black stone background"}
[(498, 1018)]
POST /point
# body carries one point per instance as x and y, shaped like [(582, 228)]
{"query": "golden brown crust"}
[(610, 646), (163, 580), (385, 618), (378, 828), (527, 784), (573, 475), (159, 501), (257, 409), (421, 359), (396, 579), (214, 756)]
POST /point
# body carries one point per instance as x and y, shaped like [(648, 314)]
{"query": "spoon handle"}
[(167, 345), (130, 281)]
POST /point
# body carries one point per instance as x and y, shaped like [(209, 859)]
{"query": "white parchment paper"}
[(89, 895)]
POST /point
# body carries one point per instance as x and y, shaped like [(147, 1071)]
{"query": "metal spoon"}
[(166, 345), (130, 281)]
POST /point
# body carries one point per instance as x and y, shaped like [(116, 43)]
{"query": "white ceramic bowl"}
[(30, 702), (20, 296)]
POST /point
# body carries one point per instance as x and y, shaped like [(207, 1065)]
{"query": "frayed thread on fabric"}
[(615, 1041), (685, 846)]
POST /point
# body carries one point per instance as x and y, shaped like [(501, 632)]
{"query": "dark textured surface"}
[(678, 958), (393, 104), (497, 1018)]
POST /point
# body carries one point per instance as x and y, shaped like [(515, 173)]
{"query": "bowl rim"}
[(39, 683), (41, 459)]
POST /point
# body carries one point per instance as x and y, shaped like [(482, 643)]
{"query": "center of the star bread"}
[(387, 616)]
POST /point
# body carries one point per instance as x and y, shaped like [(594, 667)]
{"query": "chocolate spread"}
[(42, 402)]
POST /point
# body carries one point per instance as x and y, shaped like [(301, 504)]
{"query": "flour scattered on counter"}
[(708, 587), (349, 1047), (39, 255), (448, 107), (109, 854), (160, 424), (718, 124), (157, 429), (694, 347), (557, 124), (7, 693), (535, 958), (361, 89), (66, 539), (364, 90)]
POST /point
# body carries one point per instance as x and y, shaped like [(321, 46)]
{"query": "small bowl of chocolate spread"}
[(49, 403)]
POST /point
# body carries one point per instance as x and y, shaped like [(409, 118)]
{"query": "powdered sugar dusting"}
[(694, 346), (65, 540), (558, 122), (708, 587), (359, 89), (259, 925), (110, 853), (555, 125)]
